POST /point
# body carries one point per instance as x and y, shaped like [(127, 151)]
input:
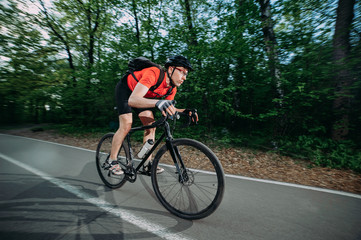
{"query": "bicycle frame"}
[(167, 135)]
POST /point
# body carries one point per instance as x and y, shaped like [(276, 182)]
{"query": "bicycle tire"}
[(202, 193), (102, 155)]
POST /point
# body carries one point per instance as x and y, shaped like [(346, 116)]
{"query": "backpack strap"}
[(159, 82), (169, 92)]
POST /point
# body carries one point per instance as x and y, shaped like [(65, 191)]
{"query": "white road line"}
[(126, 215), (236, 176), (297, 186)]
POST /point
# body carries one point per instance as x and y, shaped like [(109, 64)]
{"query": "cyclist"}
[(133, 95)]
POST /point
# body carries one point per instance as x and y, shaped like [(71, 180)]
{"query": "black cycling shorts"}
[(122, 94)]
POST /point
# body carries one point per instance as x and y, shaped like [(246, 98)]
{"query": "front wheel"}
[(192, 184)]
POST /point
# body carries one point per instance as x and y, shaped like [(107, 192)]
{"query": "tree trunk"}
[(193, 36), (149, 33), (137, 35), (273, 62), (343, 78), (92, 31), (271, 46), (56, 29), (238, 75)]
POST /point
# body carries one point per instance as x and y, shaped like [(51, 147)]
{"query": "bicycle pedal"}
[(107, 166), (145, 172)]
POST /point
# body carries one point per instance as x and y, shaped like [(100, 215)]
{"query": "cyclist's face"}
[(179, 75)]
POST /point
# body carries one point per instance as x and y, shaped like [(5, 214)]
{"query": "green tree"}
[(25, 76), (78, 29)]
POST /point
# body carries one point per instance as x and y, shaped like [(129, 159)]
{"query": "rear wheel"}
[(102, 161), (193, 187)]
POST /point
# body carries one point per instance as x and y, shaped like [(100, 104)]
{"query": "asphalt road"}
[(52, 191)]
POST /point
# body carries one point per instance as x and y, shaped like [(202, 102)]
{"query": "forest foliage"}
[(282, 75)]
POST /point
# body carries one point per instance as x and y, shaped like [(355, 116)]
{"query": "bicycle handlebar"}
[(165, 118)]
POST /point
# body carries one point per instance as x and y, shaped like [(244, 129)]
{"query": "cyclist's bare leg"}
[(147, 118), (125, 124)]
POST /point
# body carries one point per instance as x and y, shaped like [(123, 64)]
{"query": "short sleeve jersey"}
[(149, 77)]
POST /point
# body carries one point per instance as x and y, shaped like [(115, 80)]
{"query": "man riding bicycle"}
[(135, 94)]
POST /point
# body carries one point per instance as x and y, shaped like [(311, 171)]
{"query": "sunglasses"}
[(184, 72)]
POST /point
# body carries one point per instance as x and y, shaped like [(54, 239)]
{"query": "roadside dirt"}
[(238, 161)]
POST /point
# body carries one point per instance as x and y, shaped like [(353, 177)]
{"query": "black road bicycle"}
[(192, 183)]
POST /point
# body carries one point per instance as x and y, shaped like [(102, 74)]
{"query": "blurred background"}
[(276, 75)]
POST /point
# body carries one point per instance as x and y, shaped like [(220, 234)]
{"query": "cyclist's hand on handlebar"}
[(166, 106), (192, 113)]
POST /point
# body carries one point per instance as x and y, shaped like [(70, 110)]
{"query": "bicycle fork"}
[(177, 159), (178, 162)]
